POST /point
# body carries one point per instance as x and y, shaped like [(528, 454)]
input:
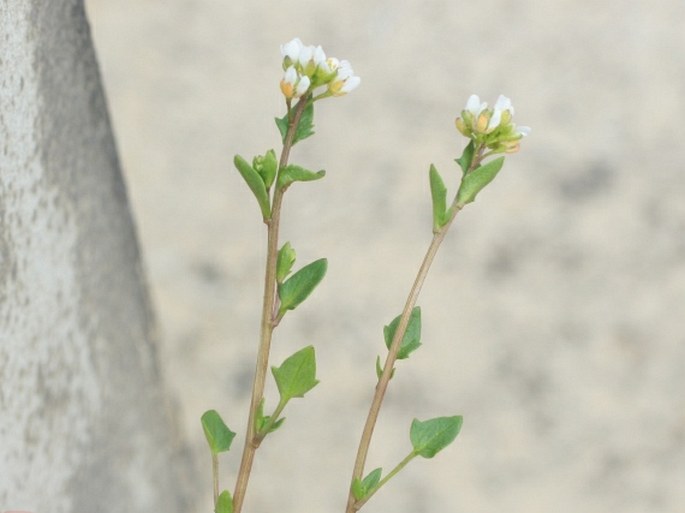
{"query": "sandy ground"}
[(553, 320)]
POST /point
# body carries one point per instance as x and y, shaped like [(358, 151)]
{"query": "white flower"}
[(502, 107), (292, 49), (474, 105), (292, 84), (345, 80)]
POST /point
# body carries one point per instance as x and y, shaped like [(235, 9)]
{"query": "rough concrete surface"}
[(85, 424), (553, 319)]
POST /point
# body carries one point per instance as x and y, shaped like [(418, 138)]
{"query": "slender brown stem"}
[(383, 381), (252, 441)]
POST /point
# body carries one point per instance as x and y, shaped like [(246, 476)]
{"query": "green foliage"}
[(263, 424), (297, 288), (255, 183), (379, 369), (305, 128), (219, 436), (362, 487), (224, 503), (266, 166), (412, 336), (431, 436), (285, 261), (439, 197), (467, 157), (293, 173), (474, 181), (297, 374)]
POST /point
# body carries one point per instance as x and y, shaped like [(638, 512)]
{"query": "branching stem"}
[(382, 385)]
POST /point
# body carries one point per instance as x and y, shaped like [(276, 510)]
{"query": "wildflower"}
[(307, 68), (492, 128)]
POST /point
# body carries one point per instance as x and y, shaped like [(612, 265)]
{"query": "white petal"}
[(504, 103), (302, 86), (494, 120), (319, 55), (290, 75), (474, 106), (306, 54), (523, 130), (350, 84), (292, 48)]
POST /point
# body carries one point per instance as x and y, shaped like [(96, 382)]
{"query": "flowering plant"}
[(310, 76)]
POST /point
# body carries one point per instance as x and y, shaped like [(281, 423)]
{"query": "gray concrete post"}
[(84, 421)]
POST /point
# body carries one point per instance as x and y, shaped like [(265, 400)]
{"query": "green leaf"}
[(224, 503), (219, 437), (439, 196), (361, 488), (262, 421), (266, 165), (292, 173), (305, 128), (474, 181), (255, 183), (412, 336), (466, 157), (297, 288), (297, 374), (431, 436), (282, 124), (379, 369), (286, 259)]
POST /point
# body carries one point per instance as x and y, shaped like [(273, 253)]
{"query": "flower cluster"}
[(307, 68), (492, 128)]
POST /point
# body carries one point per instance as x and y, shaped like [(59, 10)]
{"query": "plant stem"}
[(252, 441), (215, 476), (383, 381)]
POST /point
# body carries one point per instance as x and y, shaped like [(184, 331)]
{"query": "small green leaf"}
[(297, 374), (297, 288), (286, 259), (474, 181), (266, 165), (305, 128), (431, 436), (439, 196), (219, 437), (292, 173), (282, 124), (357, 489), (255, 183), (362, 488), (262, 421), (379, 369), (372, 479), (466, 157), (224, 503), (412, 336)]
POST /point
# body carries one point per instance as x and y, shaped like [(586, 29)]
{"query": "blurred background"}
[(553, 316)]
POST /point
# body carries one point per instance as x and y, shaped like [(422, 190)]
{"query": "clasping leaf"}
[(439, 197), (285, 261), (292, 173), (297, 288), (412, 336), (431, 436), (255, 183), (362, 487), (474, 181), (305, 128)]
